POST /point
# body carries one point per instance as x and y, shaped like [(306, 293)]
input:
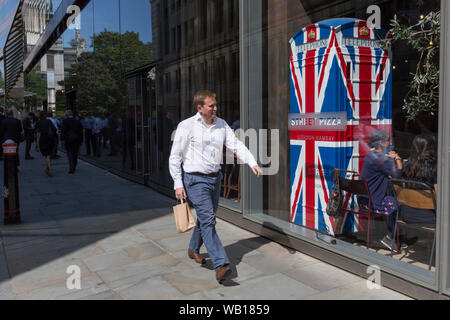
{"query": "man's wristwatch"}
[(398, 159)]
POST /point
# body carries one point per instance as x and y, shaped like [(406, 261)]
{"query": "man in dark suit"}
[(11, 129), (28, 126), (72, 135)]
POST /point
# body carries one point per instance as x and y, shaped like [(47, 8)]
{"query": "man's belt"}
[(209, 175)]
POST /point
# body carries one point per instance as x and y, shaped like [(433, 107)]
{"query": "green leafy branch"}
[(424, 37)]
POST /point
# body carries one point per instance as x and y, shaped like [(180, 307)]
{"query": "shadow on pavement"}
[(236, 253), (66, 213)]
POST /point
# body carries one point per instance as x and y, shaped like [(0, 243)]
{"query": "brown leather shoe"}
[(195, 256), (222, 272)]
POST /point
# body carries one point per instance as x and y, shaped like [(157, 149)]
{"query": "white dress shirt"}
[(55, 123), (98, 126), (200, 148)]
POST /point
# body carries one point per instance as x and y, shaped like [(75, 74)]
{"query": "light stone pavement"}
[(122, 237)]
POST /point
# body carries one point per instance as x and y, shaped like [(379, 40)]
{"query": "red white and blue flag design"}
[(337, 66)]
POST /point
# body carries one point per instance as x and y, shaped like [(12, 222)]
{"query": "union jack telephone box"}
[(341, 91)]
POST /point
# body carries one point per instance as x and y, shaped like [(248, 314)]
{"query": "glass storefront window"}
[(96, 54), (121, 42), (195, 47), (305, 83), (342, 99)]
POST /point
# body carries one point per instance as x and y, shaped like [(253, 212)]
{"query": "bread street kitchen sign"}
[(334, 121)]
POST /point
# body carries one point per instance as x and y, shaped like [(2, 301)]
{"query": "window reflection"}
[(193, 52), (313, 156), (136, 66)]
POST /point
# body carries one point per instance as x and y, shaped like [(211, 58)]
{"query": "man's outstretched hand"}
[(257, 171)]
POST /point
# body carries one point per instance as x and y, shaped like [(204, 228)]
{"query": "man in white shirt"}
[(97, 135), (198, 145)]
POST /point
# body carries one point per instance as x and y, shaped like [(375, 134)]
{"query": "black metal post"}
[(11, 183)]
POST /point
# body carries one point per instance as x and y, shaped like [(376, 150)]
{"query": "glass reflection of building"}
[(195, 46), (37, 13), (186, 45), (140, 63)]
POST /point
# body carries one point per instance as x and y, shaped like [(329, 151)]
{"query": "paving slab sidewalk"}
[(129, 249)]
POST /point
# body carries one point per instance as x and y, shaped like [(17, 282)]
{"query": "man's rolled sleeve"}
[(176, 157)]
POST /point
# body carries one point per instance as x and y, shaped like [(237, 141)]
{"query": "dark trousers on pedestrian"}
[(72, 154), (29, 138), (97, 144), (55, 147), (88, 138), (204, 193)]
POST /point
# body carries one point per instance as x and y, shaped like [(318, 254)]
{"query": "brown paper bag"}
[(183, 217)]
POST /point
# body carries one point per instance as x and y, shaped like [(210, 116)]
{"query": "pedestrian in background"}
[(115, 134), (11, 129), (29, 128), (72, 136), (198, 145), (52, 118), (36, 133), (88, 123), (97, 131), (2, 115), (47, 133), (105, 129)]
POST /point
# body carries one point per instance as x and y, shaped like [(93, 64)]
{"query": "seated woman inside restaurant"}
[(380, 164), (421, 167)]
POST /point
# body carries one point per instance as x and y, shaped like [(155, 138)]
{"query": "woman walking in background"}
[(46, 140)]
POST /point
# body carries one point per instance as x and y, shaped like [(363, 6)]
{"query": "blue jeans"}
[(204, 193)]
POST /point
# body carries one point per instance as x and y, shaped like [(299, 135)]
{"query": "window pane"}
[(343, 91), (192, 57)]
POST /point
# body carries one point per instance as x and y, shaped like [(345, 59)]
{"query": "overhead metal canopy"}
[(13, 53), (54, 30)]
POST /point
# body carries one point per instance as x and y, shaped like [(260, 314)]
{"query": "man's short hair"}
[(200, 97), (378, 137), (10, 113)]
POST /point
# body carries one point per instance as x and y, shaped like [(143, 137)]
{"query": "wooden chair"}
[(416, 195), (354, 184), (229, 172), (231, 186)]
